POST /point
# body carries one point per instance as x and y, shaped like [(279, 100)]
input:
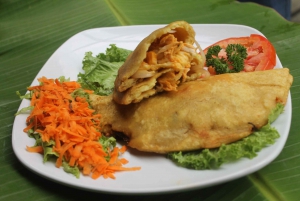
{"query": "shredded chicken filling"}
[(178, 56)]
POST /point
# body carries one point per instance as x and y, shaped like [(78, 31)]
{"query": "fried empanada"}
[(160, 62), (201, 114)]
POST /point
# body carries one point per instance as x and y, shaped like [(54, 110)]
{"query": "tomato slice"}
[(261, 53)]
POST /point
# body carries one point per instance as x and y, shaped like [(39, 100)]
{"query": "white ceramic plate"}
[(158, 174)]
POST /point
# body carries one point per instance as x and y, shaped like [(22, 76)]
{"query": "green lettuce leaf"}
[(100, 71), (107, 143), (114, 54), (72, 170), (48, 150), (24, 110), (26, 96), (247, 147)]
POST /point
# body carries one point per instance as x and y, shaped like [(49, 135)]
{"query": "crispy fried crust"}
[(200, 114)]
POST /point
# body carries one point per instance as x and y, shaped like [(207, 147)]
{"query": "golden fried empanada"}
[(160, 62), (201, 114)]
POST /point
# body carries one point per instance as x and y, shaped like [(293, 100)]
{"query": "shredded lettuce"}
[(100, 71), (26, 96), (24, 110), (48, 151), (47, 146), (72, 170), (62, 79), (247, 147), (108, 143)]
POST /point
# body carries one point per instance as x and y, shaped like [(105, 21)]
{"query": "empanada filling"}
[(167, 52)]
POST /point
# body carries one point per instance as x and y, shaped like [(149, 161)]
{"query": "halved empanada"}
[(161, 61)]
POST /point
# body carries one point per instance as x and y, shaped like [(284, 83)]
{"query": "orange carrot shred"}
[(36, 149), (74, 127), (123, 149)]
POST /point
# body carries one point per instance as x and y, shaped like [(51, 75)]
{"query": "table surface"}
[(32, 30)]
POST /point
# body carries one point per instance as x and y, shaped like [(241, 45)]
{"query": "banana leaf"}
[(31, 30)]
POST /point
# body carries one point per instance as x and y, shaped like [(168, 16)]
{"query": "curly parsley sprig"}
[(236, 54)]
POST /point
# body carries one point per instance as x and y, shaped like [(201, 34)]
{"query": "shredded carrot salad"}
[(74, 128)]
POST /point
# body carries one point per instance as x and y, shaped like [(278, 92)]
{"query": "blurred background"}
[(295, 11), (289, 9)]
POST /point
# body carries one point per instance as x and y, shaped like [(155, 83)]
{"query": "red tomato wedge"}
[(261, 53)]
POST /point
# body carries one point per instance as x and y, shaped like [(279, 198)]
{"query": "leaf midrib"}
[(117, 13), (265, 187)]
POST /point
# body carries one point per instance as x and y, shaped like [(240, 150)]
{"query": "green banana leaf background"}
[(31, 30)]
